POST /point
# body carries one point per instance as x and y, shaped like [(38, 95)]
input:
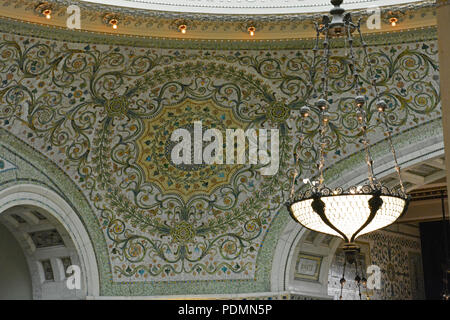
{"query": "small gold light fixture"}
[(182, 28), (44, 9), (251, 30), (393, 21), (114, 22), (47, 13)]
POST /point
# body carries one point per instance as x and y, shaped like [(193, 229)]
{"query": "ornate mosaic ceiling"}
[(103, 111)]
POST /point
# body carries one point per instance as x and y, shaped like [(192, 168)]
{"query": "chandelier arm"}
[(357, 278), (369, 63), (394, 153), (375, 204), (360, 102), (381, 111), (312, 73), (407, 201), (342, 281), (297, 171), (319, 207)]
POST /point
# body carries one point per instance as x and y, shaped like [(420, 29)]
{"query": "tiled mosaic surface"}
[(85, 107)]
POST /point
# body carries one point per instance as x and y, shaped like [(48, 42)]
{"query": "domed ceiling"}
[(100, 105)]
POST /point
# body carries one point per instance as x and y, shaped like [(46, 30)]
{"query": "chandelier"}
[(357, 210)]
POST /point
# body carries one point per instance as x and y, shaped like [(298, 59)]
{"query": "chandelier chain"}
[(358, 279), (373, 79), (311, 91), (394, 155), (362, 113), (342, 281), (322, 116), (381, 110)]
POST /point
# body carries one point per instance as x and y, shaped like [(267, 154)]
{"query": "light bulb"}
[(182, 28), (113, 23), (47, 13), (304, 111), (381, 105), (393, 21)]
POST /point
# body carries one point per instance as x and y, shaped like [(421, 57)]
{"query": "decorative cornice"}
[(429, 194), (159, 24), (135, 12), (78, 36)]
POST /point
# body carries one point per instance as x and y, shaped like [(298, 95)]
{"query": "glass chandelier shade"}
[(357, 210), (348, 214)]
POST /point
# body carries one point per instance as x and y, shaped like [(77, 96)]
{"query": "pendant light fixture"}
[(357, 210)]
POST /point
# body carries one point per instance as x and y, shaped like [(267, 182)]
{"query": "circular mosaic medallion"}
[(156, 146)]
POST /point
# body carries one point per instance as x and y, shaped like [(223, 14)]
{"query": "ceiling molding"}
[(15, 27), (159, 24)]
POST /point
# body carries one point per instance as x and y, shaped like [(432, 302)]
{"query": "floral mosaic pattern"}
[(99, 111)]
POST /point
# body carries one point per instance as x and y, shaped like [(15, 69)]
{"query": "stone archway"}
[(52, 238)]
